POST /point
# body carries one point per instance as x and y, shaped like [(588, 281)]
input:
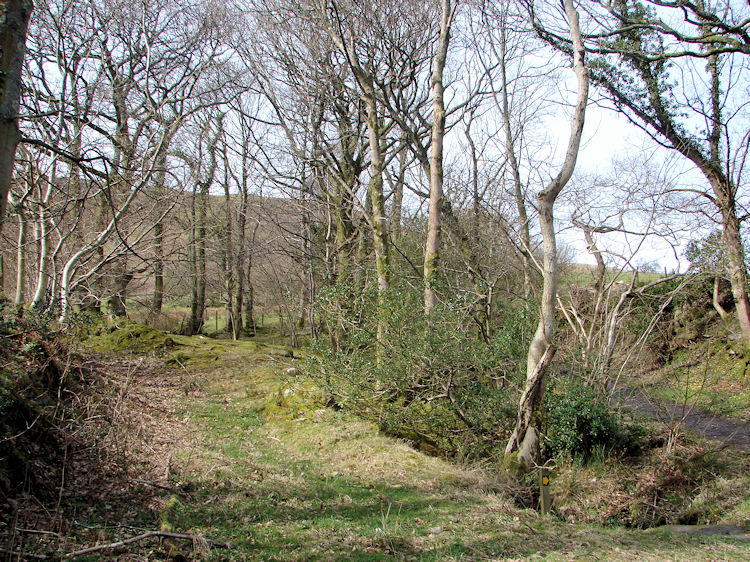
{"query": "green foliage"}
[(430, 380), (707, 254), (579, 422)]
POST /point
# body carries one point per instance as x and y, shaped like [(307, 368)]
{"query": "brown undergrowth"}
[(82, 440), (695, 483)]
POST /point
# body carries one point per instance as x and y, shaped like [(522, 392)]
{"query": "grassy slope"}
[(256, 462), (711, 374)]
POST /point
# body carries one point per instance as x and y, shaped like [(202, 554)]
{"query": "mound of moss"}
[(137, 338)]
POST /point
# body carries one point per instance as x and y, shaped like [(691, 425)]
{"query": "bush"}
[(433, 381), (579, 422)]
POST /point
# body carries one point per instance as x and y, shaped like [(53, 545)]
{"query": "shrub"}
[(431, 381), (579, 422)]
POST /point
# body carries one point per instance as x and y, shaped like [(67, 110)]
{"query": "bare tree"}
[(524, 439), (670, 68)]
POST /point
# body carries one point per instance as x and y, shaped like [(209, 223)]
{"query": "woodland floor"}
[(218, 441)]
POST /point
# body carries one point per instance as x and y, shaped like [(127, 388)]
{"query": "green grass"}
[(712, 375), (307, 483), (581, 275), (259, 462)]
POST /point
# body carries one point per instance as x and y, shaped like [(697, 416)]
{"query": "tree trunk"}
[(13, 25), (116, 305), (249, 319), (432, 245), (541, 349), (378, 220), (398, 191), (229, 271), (716, 299), (20, 260), (736, 267), (726, 194), (377, 199), (159, 192), (364, 243), (42, 281), (198, 302)]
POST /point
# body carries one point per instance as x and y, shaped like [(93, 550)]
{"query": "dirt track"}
[(727, 431)]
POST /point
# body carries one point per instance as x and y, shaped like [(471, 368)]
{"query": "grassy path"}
[(252, 460)]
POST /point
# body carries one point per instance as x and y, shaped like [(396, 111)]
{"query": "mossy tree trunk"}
[(363, 74), (432, 244)]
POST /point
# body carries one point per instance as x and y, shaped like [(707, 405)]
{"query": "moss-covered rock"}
[(133, 337)]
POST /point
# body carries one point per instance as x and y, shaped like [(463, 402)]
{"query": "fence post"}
[(544, 497)]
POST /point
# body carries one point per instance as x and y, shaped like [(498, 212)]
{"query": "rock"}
[(734, 337), (292, 371), (435, 530)]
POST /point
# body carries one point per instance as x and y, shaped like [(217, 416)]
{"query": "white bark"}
[(20, 258)]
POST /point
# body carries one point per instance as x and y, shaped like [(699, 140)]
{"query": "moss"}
[(293, 398), (511, 464), (137, 338), (167, 515)]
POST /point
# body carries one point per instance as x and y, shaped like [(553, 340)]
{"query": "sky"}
[(609, 137)]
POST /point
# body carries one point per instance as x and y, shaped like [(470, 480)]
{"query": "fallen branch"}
[(155, 485), (118, 544)]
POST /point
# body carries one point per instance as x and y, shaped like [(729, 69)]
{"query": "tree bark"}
[(14, 20), (736, 264), (232, 325), (20, 259), (716, 299), (432, 244), (159, 192)]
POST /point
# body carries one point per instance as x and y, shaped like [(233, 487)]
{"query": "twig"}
[(154, 484), (38, 532), (28, 427), (26, 555), (125, 542)]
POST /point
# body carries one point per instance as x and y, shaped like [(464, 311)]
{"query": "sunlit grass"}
[(321, 485)]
